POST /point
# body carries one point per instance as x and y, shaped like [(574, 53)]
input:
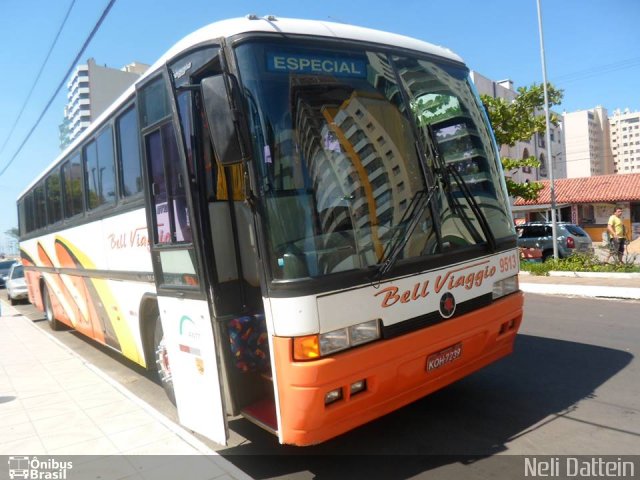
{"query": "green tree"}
[(517, 121), (13, 232)]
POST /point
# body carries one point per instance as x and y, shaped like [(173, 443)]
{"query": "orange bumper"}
[(395, 371)]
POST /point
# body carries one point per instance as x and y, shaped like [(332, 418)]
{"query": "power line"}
[(629, 62), (95, 29), (597, 70), (595, 74), (35, 82)]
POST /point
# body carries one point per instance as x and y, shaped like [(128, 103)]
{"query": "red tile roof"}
[(601, 188)]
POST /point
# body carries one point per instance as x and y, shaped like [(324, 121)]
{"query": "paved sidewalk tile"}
[(53, 403)]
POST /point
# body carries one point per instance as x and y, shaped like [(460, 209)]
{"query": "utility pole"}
[(554, 226)]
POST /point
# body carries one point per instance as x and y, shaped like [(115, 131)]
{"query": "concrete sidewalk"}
[(52, 402), (596, 285)]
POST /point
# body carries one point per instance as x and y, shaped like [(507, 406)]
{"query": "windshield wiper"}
[(445, 172), (475, 208), (400, 237)]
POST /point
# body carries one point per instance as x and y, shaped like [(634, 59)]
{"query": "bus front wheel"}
[(48, 310), (162, 361)]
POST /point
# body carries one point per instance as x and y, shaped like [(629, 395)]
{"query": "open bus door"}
[(250, 372), (189, 349)]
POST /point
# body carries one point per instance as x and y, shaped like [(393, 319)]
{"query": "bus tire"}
[(48, 310), (161, 356)]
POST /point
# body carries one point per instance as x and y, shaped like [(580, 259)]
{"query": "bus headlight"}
[(364, 332), (334, 341), (352, 336), (314, 346), (505, 287)]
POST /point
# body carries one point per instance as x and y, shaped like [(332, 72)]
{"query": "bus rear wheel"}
[(163, 367), (48, 310)]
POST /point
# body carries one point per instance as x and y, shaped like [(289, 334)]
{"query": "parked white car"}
[(16, 286)]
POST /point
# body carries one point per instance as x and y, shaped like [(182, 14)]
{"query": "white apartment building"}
[(588, 147), (92, 88), (536, 146), (625, 141)]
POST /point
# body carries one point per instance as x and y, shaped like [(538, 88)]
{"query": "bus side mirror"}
[(221, 117)]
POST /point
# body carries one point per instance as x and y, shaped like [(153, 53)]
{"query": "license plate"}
[(444, 357)]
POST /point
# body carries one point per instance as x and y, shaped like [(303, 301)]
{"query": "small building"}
[(588, 202)]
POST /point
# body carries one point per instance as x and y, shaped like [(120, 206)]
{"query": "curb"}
[(592, 291), (562, 273), (623, 275), (627, 293)]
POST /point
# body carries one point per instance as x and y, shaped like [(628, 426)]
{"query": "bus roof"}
[(253, 24), (318, 28)]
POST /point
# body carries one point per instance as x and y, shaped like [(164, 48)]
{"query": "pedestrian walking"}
[(617, 235)]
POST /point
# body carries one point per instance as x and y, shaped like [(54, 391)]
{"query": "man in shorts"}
[(617, 237)]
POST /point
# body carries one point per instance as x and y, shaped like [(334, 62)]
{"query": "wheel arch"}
[(42, 285)]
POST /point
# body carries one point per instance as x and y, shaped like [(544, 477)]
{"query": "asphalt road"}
[(570, 388)]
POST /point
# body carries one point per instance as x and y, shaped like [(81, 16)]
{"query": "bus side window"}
[(129, 154)]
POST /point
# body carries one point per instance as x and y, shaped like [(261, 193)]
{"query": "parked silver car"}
[(571, 238), (16, 286)]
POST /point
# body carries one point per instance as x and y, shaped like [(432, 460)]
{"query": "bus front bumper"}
[(396, 371)]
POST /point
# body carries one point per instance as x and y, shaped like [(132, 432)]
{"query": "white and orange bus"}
[(301, 222)]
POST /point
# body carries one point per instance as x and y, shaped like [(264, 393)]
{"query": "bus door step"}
[(263, 414)]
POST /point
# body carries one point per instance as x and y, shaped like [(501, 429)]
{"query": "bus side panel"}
[(395, 371), (67, 295), (73, 290), (103, 309)]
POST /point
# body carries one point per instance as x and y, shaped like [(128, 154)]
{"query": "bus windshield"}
[(347, 144)]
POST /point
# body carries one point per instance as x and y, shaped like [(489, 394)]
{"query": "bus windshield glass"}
[(347, 144)]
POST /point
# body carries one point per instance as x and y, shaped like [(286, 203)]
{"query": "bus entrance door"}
[(186, 343)]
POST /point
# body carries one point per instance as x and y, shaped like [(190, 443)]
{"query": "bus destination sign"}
[(316, 65)]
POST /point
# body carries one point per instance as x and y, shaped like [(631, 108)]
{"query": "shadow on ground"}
[(468, 421)]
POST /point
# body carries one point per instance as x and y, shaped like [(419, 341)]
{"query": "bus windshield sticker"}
[(316, 65)]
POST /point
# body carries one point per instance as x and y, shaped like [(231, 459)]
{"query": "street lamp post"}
[(552, 190)]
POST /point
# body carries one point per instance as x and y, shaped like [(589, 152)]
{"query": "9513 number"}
[(508, 263)]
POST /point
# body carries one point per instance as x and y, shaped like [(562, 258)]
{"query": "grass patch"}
[(580, 262)]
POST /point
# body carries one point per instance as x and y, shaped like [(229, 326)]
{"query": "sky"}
[(592, 50)]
